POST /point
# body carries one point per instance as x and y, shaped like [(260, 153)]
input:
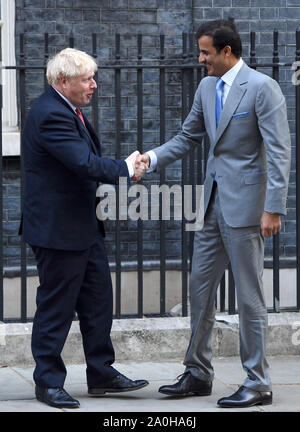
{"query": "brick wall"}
[(150, 17)]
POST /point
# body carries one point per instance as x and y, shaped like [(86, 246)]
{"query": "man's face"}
[(215, 62), (79, 90)]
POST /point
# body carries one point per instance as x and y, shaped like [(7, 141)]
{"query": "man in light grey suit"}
[(245, 191)]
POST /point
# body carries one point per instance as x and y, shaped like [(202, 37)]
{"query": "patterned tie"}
[(79, 113), (219, 101)]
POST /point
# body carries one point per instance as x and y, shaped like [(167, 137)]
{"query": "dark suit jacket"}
[(63, 165)]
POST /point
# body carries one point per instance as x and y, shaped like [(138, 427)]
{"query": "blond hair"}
[(69, 63)]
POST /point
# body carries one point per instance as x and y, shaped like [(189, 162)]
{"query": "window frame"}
[(10, 129)]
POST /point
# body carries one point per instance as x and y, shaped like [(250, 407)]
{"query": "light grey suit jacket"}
[(249, 151)]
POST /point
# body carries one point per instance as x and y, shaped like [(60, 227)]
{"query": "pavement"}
[(17, 389)]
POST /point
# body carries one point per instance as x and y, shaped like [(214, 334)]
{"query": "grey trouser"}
[(214, 246)]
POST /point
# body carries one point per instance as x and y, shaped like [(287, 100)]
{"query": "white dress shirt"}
[(229, 77)]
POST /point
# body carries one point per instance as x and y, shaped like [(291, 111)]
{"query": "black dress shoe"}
[(119, 383), (246, 397), (187, 386), (56, 397)]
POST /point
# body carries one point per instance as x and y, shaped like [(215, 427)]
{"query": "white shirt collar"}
[(67, 100), (230, 75)]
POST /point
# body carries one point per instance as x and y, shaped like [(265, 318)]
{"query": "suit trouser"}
[(215, 246), (73, 281)]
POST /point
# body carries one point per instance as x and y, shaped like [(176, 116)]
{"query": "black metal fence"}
[(192, 167)]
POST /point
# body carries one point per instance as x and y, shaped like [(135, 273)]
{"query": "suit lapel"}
[(211, 107), (89, 134), (235, 95)]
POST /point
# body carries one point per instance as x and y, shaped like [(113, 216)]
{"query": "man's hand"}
[(270, 224), (145, 158), (142, 163), (138, 165)]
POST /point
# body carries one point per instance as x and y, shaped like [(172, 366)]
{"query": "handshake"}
[(139, 164)]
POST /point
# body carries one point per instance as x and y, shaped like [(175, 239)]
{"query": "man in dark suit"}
[(63, 166)]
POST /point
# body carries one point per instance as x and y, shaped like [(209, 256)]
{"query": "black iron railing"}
[(192, 167)]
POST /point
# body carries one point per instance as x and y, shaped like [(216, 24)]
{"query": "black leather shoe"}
[(119, 383), (246, 397), (187, 386), (56, 397)]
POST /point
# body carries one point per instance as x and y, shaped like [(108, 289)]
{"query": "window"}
[(10, 132)]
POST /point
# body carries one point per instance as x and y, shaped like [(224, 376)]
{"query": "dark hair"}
[(224, 33)]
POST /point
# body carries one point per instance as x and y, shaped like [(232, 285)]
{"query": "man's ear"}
[(63, 81), (227, 50)]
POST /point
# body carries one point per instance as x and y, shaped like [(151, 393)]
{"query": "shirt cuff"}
[(153, 161), (130, 168)]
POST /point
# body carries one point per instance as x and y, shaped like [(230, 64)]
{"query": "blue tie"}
[(219, 106), (219, 101)]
